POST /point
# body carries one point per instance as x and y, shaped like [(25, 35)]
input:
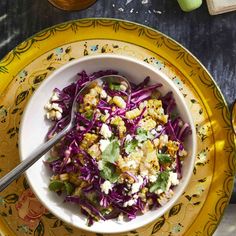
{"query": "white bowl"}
[(34, 128)]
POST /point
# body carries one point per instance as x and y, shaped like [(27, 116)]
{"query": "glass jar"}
[(72, 5)]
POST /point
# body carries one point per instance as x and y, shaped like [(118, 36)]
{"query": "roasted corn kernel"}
[(74, 178), (119, 101), (147, 123), (132, 114), (94, 151), (88, 140), (64, 177), (117, 121), (173, 147)]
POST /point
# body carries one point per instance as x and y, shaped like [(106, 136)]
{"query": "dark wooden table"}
[(212, 39)]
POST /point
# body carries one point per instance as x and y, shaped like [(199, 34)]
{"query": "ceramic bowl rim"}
[(173, 88)]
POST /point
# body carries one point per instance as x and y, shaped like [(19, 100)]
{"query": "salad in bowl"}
[(130, 155), (124, 155)]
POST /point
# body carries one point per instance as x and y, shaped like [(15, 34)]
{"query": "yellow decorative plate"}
[(199, 210)]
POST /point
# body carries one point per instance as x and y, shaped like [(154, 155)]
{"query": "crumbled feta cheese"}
[(105, 131), (136, 186), (103, 94), (140, 179), (152, 178), (120, 218), (163, 139), (100, 164), (131, 202), (159, 191), (159, 128), (128, 138), (174, 164), (153, 132), (106, 187), (156, 142), (55, 97), (108, 98), (103, 144), (173, 180)]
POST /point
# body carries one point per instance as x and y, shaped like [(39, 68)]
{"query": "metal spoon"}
[(41, 150)]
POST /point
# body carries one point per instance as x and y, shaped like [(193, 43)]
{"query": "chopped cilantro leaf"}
[(164, 158), (109, 156), (56, 185), (69, 188), (130, 146), (143, 135), (161, 182), (51, 159), (109, 172), (114, 86), (89, 114), (112, 152)]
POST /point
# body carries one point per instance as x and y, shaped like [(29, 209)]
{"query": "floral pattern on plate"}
[(20, 211)]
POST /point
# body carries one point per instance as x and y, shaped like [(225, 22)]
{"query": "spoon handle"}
[(29, 161)]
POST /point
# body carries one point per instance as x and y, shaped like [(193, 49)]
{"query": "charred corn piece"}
[(88, 140), (64, 177), (119, 101), (94, 151), (132, 114), (74, 179), (148, 123), (117, 121)]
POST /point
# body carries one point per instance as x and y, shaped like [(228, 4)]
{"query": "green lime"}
[(189, 5)]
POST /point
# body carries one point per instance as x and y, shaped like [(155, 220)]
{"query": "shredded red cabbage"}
[(84, 175)]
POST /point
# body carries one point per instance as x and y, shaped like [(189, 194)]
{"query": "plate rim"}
[(11, 52), (220, 98)]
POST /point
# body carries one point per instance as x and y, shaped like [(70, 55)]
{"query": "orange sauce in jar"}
[(72, 5)]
